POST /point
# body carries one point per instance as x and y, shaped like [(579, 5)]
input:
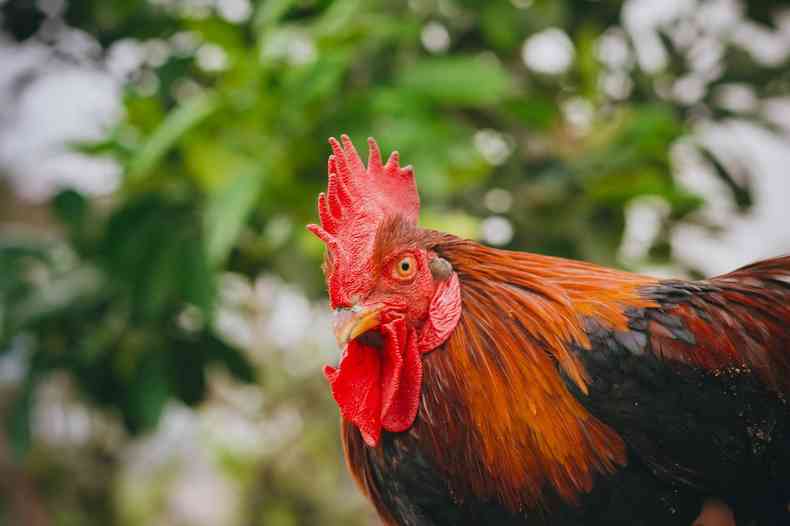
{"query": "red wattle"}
[(357, 389), (402, 380), (379, 388)]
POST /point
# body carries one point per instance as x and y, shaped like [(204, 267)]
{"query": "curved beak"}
[(353, 322)]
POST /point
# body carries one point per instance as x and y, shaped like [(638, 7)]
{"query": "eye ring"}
[(405, 268)]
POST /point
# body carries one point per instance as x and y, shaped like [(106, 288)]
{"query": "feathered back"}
[(739, 320)]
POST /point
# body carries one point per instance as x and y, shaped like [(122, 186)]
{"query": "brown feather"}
[(496, 415), (520, 430)]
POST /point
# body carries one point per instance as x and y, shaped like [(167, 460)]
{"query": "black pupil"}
[(404, 266)]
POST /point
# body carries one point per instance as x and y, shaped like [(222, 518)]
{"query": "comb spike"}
[(374, 156), (323, 235), (356, 201), (352, 157), (333, 196), (328, 221), (393, 164), (331, 165), (343, 195), (340, 160)]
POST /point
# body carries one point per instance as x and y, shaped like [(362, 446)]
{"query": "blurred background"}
[(163, 319)]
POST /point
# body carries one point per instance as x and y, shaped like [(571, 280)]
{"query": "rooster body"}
[(481, 386)]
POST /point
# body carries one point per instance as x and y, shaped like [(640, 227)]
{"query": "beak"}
[(350, 323)]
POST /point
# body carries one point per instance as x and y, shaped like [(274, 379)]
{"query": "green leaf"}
[(158, 284), (198, 281), (458, 222), (237, 364), (502, 25), (338, 18), (175, 125), (230, 37), (464, 80), (18, 418), (63, 293), (147, 394), (212, 163), (587, 62), (321, 79), (187, 372), (70, 207), (74, 212), (227, 211), (130, 234), (271, 11), (533, 111)]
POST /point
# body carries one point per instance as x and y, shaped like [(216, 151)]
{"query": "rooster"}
[(484, 386)]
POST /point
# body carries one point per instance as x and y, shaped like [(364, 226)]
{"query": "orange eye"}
[(406, 267)]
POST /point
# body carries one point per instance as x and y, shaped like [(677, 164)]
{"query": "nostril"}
[(351, 303), (347, 310), (342, 306)]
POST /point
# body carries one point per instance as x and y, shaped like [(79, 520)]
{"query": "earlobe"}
[(443, 314)]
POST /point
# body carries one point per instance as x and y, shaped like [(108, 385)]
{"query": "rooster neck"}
[(496, 395)]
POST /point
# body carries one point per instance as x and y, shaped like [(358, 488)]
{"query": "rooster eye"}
[(405, 267)]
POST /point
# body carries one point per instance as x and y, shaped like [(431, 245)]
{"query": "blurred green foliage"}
[(223, 160)]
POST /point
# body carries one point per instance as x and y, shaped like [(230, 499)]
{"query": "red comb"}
[(353, 190), (356, 201)]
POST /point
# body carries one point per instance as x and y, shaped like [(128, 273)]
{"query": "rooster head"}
[(394, 298)]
